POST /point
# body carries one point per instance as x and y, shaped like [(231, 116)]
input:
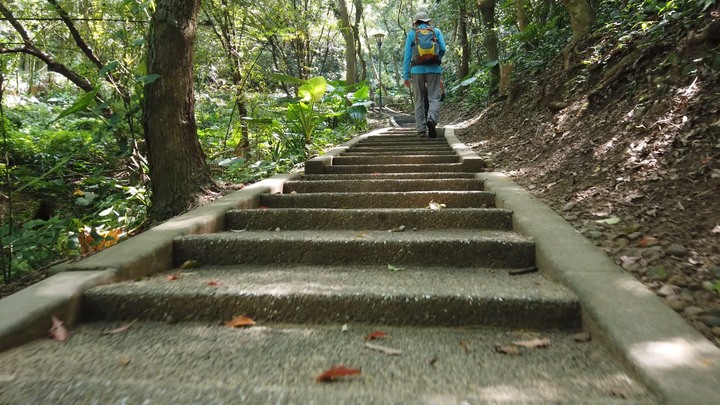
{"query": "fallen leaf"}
[(393, 268), (124, 361), (582, 337), (648, 241), (376, 335), (345, 329), (433, 361), (510, 350), (121, 329), (716, 229), (58, 331), (337, 372), (239, 322), (384, 349), (609, 221), (173, 277), (465, 345), (435, 206), (533, 343), (190, 264), (213, 283)]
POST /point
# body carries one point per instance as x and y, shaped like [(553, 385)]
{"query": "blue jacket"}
[(420, 69)]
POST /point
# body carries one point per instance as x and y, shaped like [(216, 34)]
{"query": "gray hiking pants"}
[(426, 91)]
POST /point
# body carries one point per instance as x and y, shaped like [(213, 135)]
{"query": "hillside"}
[(627, 149)]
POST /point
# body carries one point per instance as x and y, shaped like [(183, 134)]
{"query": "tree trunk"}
[(522, 16), (464, 69), (349, 35), (178, 170), (581, 17), (490, 41)]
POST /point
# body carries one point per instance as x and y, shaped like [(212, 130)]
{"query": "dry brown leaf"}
[(507, 349), (121, 329), (58, 331), (124, 361), (337, 372), (433, 361), (239, 322), (387, 350), (173, 277), (465, 345), (648, 241), (533, 343), (376, 335), (213, 283)]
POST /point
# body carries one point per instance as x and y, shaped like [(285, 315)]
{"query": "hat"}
[(421, 16)]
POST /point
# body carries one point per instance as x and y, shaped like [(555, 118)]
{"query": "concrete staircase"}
[(392, 234)]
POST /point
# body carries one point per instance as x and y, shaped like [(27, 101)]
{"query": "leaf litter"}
[(336, 373), (118, 330), (240, 321)]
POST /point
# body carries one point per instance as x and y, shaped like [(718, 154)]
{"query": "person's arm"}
[(408, 57), (441, 42)]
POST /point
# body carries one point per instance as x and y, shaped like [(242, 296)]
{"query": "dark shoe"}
[(432, 133)]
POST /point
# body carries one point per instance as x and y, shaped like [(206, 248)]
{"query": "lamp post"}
[(379, 39)]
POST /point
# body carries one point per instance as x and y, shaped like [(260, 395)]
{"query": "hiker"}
[(424, 49)]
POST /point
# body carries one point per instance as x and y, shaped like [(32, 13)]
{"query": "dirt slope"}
[(627, 149)]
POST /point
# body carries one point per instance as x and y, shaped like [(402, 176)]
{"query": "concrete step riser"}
[(398, 310), (421, 146), (376, 176), (475, 199), (488, 253), (434, 167), (403, 144), (382, 185), (388, 219), (413, 152), (398, 159)]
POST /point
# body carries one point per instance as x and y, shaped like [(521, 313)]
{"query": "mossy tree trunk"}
[(178, 170)]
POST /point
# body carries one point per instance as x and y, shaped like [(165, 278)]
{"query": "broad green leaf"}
[(82, 103), (314, 90), (147, 79), (109, 68), (362, 94)]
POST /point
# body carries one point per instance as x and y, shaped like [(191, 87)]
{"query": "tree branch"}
[(76, 34), (31, 49)]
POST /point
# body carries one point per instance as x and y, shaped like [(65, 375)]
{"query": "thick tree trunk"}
[(522, 16), (581, 17), (349, 35), (178, 170), (464, 68), (490, 41)]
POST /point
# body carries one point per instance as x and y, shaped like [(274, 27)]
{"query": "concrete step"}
[(395, 168), (392, 148), (419, 296), (409, 152), (370, 219), (364, 176), (440, 142), (396, 159), (414, 199), (207, 363), (390, 185), (446, 247)]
